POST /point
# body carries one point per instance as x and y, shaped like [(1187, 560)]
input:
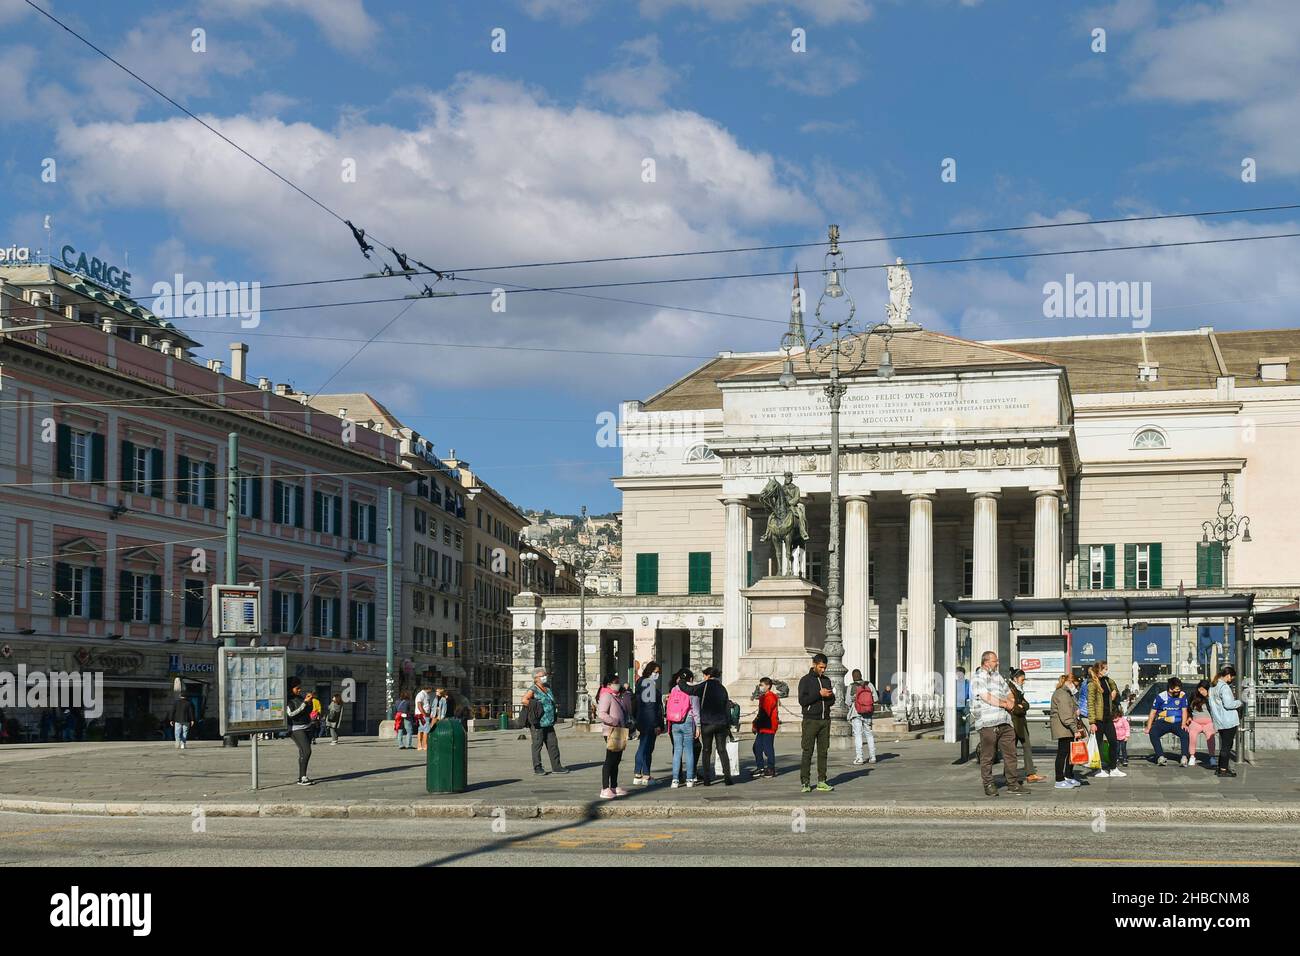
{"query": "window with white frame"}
[(1143, 554), (79, 592), (1096, 567), (248, 496), (141, 585), (142, 476), (1025, 571), (286, 615), (421, 521), (288, 503), (1150, 438), (81, 447)]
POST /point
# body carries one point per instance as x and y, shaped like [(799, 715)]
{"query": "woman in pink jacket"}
[(615, 712)]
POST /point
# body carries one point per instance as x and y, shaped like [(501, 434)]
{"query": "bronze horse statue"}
[(787, 525)]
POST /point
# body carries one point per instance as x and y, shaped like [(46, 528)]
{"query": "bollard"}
[(446, 767)]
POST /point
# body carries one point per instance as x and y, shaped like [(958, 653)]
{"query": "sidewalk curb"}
[(1257, 813)]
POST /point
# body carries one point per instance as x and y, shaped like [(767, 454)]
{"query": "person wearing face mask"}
[(649, 721), (615, 713), (1103, 708), (1020, 722), (538, 704)]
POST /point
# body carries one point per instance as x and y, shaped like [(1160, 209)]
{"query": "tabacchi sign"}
[(96, 270)]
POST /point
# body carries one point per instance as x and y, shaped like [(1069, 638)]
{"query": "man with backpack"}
[(538, 706), (862, 709), (715, 724), (816, 697)]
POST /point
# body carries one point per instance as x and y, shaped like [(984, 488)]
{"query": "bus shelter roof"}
[(1100, 608)]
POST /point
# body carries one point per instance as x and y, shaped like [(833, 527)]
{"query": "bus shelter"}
[(1074, 610)]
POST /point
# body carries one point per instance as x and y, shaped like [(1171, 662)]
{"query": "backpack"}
[(679, 705), (864, 702), (733, 715)]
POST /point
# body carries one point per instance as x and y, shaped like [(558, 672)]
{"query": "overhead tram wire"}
[(955, 233), (680, 280)]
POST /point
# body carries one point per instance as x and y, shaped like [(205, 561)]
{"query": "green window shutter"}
[(1082, 565), (1202, 564), (700, 572), (1108, 573), (63, 465), (97, 458), (62, 589), (95, 585), (127, 466), (155, 599), (647, 574), (1130, 566), (125, 596), (1216, 565), (210, 487), (1157, 578), (182, 479), (317, 510), (157, 484), (297, 612)]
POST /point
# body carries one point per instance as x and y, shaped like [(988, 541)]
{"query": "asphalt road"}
[(32, 840)]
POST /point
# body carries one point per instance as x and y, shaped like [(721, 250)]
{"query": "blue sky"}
[(466, 157)]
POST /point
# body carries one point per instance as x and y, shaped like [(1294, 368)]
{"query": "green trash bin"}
[(447, 763), (505, 721)]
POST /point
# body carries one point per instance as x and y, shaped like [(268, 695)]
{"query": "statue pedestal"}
[(787, 626)]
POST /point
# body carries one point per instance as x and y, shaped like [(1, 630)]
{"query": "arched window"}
[(699, 452), (1150, 438)]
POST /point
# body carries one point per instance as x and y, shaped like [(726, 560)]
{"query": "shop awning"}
[(1100, 608), (1279, 617)]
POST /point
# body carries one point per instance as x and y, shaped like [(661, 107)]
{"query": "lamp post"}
[(837, 349), (529, 557), (1226, 526), (582, 562)]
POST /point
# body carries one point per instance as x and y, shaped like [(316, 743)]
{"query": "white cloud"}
[(639, 79), (830, 63), (494, 174), (822, 11), (345, 23), (570, 11), (1242, 58), (1229, 285), (158, 49)]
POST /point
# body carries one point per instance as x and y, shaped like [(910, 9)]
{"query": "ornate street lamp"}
[(583, 560), (529, 557), (1227, 526), (836, 349)]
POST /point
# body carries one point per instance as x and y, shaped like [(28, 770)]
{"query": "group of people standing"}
[(701, 720), (415, 719), (1100, 711)]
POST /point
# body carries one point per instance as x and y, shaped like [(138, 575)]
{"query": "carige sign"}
[(96, 270)]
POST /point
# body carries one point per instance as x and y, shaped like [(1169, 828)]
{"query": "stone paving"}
[(365, 776)]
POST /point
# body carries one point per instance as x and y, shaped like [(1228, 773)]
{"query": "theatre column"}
[(856, 644), (984, 584), (920, 593), (737, 577), (1047, 551)]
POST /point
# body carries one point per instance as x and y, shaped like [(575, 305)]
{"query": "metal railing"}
[(1274, 702), (923, 709)]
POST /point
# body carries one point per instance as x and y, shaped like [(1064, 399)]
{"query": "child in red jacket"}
[(766, 723)]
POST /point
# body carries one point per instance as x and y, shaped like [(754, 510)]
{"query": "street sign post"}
[(236, 611), (251, 690)]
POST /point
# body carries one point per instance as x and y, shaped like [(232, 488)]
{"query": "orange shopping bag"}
[(1079, 752)]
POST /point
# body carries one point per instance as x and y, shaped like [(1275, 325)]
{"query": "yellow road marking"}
[(633, 846), (1165, 861), (36, 830)]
